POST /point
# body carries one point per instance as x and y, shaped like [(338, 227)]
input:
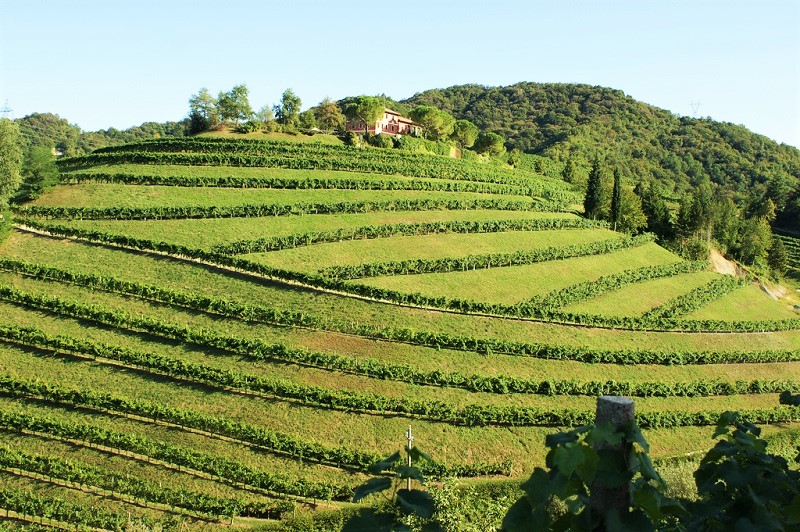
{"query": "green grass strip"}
[(273, 316), (68, 472), (232, 471), (402, 229), (260, 210), (697, 298)]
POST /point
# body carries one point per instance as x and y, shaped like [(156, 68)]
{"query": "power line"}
[(695, 108), (5, 110)]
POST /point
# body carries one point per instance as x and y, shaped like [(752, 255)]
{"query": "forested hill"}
[(562, 120)]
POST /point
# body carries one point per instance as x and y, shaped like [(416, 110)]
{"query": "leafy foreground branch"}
[(741, 486)]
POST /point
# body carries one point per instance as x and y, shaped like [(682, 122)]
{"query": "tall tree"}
[(656, 210), (437, 124), (307, 119), (288, 111), (38, 172), (10, 159), (569, 173), (465, 133), (777, 257), (203, 111), (490, 144), (616, 199), (234, 105), (366, 109), (594, 204), (329, 115)]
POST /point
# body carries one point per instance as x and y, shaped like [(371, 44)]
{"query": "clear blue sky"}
[(118, 63)]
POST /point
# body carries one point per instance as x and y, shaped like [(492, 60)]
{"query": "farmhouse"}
[(391, 123)]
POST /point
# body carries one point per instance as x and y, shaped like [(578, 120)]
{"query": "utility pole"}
[(410, 441)]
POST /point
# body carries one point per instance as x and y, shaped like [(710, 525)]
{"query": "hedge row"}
[(523, 310), (197, 152), (588, 289), (437, 411), (199, 373), (542, 187), (261, 210), (472, 415), (205, 504), (264, 314), (499, 384), (278, 243), (697, 298), (55, 509), (232, 471), (475, 262), (296, 183)]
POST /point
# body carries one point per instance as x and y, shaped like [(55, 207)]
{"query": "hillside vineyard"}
[(208, 330)]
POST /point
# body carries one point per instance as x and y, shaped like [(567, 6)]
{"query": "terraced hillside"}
[(238, 328)]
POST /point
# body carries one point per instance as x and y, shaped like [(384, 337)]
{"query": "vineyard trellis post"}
[(410, 439), (619, 412)]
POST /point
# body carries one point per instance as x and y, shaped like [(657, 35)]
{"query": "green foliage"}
[(234, 105), (204, 113), (586, 459), (251, 126), (307, 120), (407, 501), (489, 144), (274, 316), (66, 471), (742, 486), (563, 121), (10, 159), (329, 115), (464, 133), (616, 200), (381, 140), (254, 153), (596, 199), (365, 109), (29, 504), (436, 124), (777, 258), (39, 173), (288, 111)]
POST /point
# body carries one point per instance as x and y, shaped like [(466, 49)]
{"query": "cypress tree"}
[(776, 257), (595, 194), (616, 199)]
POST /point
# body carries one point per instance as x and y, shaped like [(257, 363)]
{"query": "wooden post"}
[(619, 412), (410, 441)]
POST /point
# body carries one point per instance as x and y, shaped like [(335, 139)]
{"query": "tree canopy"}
[(10, 159), (489, 144), (288, 111), (367, 109), (234, 105), (437, 124)]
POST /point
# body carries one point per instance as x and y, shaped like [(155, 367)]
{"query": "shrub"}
[(381, 141)]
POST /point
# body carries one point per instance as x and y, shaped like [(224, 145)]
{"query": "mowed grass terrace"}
[(345, 398)]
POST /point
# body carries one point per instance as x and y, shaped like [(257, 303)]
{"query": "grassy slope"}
[(518, 283), (313, 258), (205, 233), (524, 446), (637, 298), (179, 275), (111, 195)]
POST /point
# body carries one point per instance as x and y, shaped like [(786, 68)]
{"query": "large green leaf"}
[(405, 471), (522, 518), (417, 454), (384, 464), (373, 485), (417, 502)]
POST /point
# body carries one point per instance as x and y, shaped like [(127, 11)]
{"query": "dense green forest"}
[(48, 130), (582, 122)]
